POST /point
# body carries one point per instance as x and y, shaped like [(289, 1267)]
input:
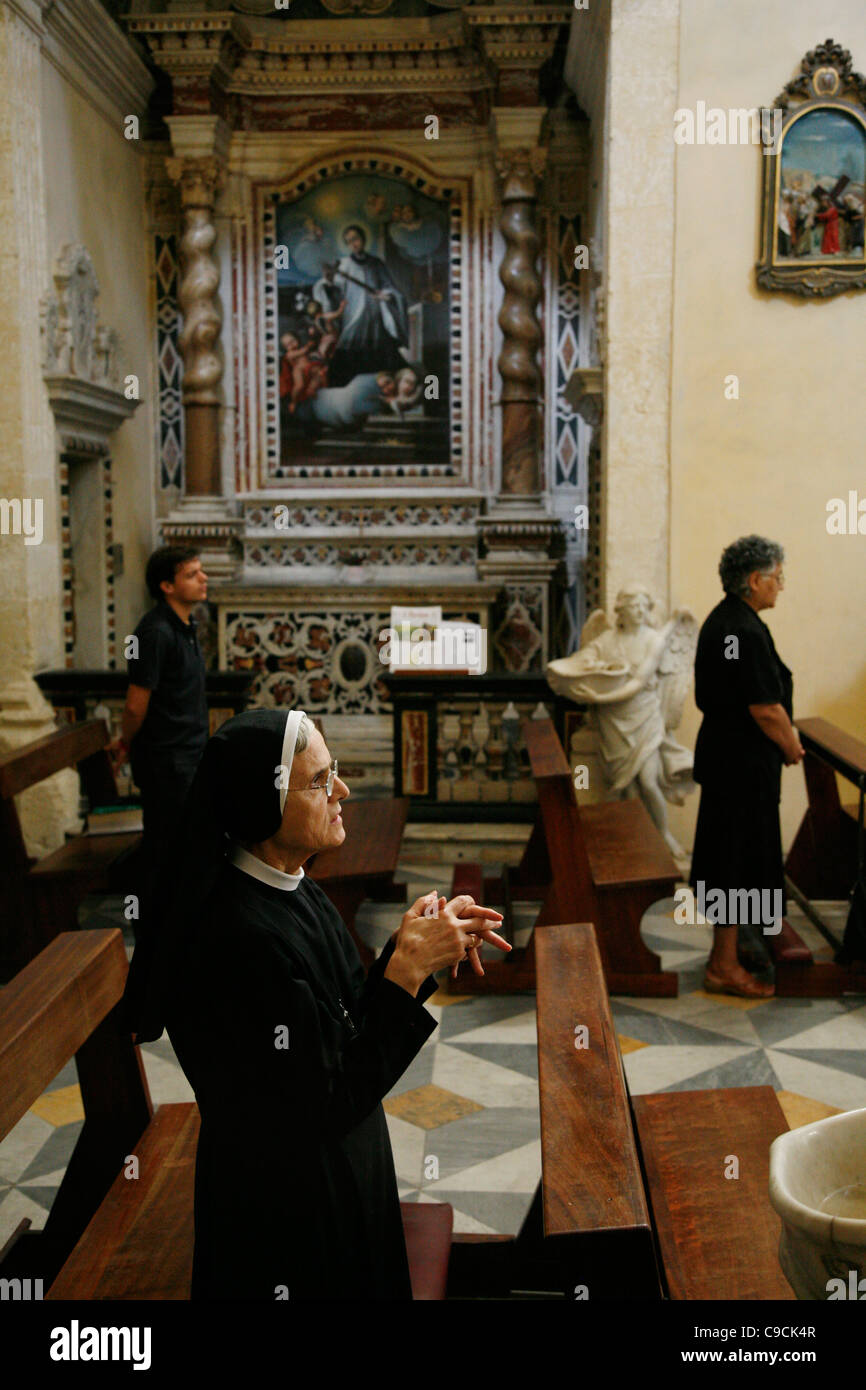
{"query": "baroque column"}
[(199, 181), (520, 540), (521, 472), (204, 517)]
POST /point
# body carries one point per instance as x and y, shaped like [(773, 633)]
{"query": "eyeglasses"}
[(778, 576), (329, 785), (326, 787)]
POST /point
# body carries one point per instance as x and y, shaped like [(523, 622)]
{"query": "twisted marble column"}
[(521, 473), (199, 181)]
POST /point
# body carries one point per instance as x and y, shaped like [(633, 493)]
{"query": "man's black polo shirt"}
[(171, 666)]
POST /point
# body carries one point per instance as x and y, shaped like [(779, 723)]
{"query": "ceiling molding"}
[(92, 52)]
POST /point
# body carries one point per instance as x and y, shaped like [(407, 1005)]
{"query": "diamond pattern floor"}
[(463, 1118)]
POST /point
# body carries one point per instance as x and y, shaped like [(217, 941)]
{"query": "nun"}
[(288, 1046)]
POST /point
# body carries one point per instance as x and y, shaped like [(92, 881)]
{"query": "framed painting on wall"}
[(812, 239)]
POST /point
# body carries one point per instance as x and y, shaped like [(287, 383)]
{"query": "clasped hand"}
[(427, 944)]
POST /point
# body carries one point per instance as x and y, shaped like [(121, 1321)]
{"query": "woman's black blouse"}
[(736, 665)]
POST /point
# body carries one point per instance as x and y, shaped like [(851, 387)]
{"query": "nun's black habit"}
[(288, 1047)]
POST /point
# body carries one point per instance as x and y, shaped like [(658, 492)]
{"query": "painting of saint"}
[(363, 323), (822, 181)]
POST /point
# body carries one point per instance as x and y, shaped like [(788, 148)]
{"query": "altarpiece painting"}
[(363, 322)]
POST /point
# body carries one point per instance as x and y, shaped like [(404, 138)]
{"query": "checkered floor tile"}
[(463, 1118)]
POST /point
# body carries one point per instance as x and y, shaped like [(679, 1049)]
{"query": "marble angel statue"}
[(634, 676)]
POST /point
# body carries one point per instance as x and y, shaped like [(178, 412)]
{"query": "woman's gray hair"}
[(305, 729), (743, 557)]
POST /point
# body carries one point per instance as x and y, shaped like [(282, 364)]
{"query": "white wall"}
[(95, 196), (769, 461)]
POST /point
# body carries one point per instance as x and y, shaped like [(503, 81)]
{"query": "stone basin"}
[(818, 1187)]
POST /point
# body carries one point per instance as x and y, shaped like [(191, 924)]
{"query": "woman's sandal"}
[(713, 984)]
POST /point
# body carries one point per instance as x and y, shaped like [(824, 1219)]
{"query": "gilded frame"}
[(822, 252)]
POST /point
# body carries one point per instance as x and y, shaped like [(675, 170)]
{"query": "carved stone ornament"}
[(585, 394), (253, 50), (74, 342), (814, 163), (79, 357)]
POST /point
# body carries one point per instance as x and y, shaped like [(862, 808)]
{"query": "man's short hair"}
[(164, 564), (353, 227)]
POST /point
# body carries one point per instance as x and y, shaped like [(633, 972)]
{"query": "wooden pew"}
[(589, 1222), (40, 898), (606, 863), (363, 865), (591, 1225), (638, 1205), (108, 1236), (822, 861), (63, 1004)]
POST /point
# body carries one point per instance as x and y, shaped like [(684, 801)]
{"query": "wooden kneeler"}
[(605, 863)]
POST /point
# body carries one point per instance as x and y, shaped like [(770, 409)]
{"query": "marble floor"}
[(464, 1117)]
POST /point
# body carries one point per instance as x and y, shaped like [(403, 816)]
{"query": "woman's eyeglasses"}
[(329, 784), (326, 787)]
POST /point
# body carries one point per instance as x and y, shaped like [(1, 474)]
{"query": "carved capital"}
[(519, 171), (199, 179)]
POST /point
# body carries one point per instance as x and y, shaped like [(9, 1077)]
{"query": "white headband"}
[(287, 757)]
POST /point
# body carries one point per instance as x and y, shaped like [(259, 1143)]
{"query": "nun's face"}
[(311, 819)]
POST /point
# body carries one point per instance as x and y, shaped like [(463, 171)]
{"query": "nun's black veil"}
[(235, 796)]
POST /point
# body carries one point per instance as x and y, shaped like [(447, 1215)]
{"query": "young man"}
[(165, 725)]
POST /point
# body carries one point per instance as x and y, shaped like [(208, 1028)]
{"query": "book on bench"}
[(113, 820)]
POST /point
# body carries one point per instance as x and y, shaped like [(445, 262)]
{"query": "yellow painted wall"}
[(768, 462), (95, 196)]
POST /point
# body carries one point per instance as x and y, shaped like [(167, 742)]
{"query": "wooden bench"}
[(63, 1004), (633, 1200), (40, 898), (606, 863), (109, 1236), (363, 865), (822, 861)]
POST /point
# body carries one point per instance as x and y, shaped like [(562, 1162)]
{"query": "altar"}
[(363, 234)]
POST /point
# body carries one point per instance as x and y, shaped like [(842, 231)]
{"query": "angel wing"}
[(676, 666), (594, 626)]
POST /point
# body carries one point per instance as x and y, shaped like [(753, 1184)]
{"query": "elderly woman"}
[(288, 1047), (744, 692)]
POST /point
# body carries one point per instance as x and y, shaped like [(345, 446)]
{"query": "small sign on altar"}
[(419, 639)]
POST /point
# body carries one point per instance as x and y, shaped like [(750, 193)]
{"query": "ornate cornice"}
[(194, 46), (518, 35), (463, 50)]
